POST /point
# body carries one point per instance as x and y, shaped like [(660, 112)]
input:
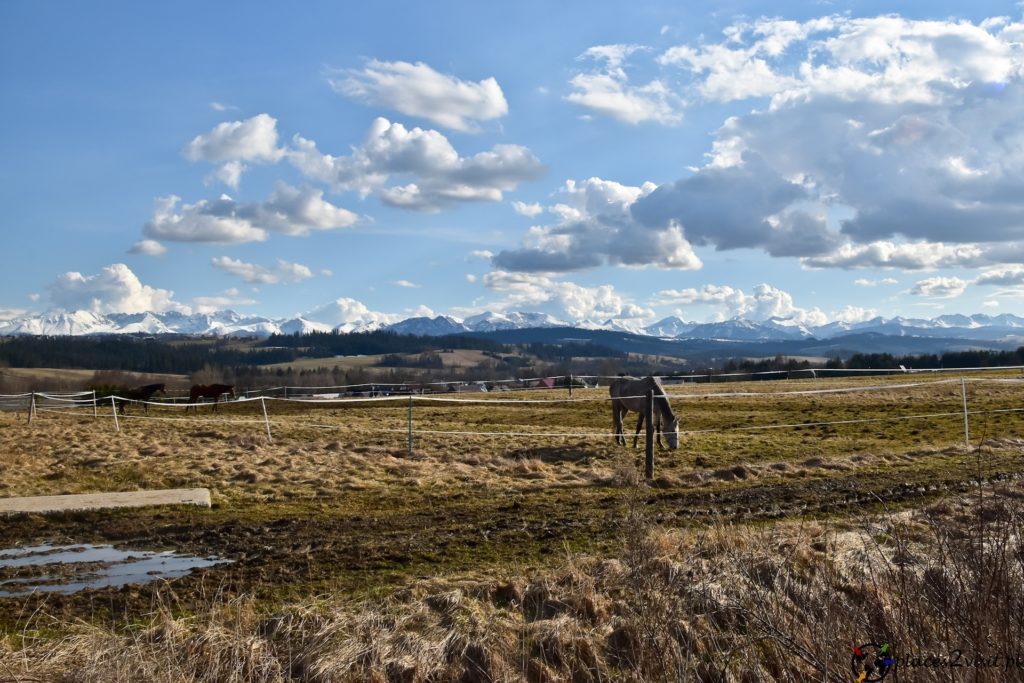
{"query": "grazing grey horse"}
[(629, 393)]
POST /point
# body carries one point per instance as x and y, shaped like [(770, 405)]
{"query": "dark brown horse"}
[(213, 391), (143, 393)]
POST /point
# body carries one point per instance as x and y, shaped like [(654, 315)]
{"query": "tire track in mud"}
[(820, 496)]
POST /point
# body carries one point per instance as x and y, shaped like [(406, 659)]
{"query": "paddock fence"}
[(854, 413)]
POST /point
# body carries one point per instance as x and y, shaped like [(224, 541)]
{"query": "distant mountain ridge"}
[(1004, 329)]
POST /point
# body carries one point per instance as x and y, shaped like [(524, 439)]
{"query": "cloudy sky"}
[(628, 160)]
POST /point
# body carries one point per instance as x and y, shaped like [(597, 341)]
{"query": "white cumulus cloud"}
[(419, 90), (346, 311), (288, 211), (904, 256), (233, 142), (764, 302), (607, 90), (597, 227), (115, 289), (253, 139), (917, 152), (204, 221), (1006, 276), (283, 271), (148, 247), (562, 298), (854, 314), (436, 175), (939, 287), (524, 209)]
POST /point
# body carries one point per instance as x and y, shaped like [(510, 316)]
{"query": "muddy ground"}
[(287, 552), (335, 503)]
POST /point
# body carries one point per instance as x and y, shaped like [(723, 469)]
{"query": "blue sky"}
[(636, 160)]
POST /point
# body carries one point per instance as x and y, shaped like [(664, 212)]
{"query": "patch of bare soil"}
[(284, 552)]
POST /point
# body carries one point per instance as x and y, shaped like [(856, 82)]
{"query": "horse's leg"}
[(620, 439), (639, 426)]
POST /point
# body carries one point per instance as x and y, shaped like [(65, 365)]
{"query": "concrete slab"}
[(99, 501)]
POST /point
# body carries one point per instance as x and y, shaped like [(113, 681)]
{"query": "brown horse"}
[(629, 393), (213, 391), (143, 393)]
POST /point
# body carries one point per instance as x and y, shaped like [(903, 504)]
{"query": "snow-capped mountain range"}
[(1005, 327)]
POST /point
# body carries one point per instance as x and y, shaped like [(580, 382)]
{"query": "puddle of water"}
[(72, 568)]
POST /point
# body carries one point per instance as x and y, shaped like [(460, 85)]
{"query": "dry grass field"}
[(453, 359), (517, 542)]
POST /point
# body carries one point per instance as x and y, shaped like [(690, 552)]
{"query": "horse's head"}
[(230, 391), (672, 433)]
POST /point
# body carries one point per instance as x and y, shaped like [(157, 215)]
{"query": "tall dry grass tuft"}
[(224, 644)]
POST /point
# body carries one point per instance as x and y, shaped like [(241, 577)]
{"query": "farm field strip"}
[(718, 413), (479, 490)]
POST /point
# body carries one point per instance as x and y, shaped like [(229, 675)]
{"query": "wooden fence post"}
[(967, 428), (410, 425), (113, 406), (649, 444), (32, 407), (263, 402)]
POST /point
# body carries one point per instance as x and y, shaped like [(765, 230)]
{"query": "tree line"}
[(226, 357), (187, 355), (977, 358)]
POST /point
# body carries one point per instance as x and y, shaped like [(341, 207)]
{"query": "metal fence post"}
[(113, 406)]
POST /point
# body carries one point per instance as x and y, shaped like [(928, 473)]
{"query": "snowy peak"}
[(358, 326), (139, 323), (490, 321), (739, 329), (1005, 327), (670, 327), (59, 324), (428, 327), (300, 325)]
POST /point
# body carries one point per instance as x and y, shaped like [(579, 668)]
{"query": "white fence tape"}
[(69, 403), (531, 383)]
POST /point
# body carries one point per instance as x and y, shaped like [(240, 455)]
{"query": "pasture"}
[(501, 494)]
